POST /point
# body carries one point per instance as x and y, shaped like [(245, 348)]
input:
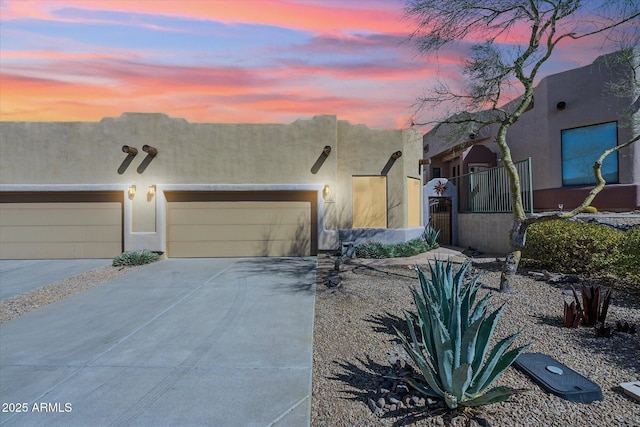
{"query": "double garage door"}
[(199, 224), (241, 224), (60, 225)]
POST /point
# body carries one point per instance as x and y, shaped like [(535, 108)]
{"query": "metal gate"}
[(440, 217)]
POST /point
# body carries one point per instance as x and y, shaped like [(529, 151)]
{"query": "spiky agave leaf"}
[(499, 363), (424, 367), (462, 376), (496, 394), (484, 337)]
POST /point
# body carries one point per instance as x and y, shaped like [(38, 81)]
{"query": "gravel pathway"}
[(354, 336)]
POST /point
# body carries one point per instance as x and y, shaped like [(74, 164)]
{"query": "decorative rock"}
[(334, 281), (401, 388), (415, 400), (380, 403), (384, 391), (393, 400), (376, 410), (392, 407)]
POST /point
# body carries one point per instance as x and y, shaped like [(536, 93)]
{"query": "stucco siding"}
[(321, 153)]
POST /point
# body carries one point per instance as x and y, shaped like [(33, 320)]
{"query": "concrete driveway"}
[(181, 342), (20, 276)]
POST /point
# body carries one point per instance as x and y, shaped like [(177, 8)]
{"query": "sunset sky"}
[(239, 61)]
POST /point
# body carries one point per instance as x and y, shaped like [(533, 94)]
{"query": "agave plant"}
[(430, 236), (455, 334), (136, 257)]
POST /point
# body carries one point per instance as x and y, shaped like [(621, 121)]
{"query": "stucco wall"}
[(488, 233), (285, 155), (537, 134), (364, 151), (588, 102)]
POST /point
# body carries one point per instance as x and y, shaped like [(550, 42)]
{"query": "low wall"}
[(488, 233), (361, 236)]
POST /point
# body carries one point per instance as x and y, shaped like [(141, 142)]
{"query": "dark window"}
[(437, 173), (580, 149)]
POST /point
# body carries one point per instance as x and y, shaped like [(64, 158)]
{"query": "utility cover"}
[(557, 378), (632, 389)]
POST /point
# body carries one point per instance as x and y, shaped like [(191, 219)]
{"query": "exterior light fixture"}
[(325, 190), (132, 151), (561, 105), (132, 191), (152, 151), (152, 190)]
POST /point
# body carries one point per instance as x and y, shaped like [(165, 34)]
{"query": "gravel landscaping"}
[(355, 344)]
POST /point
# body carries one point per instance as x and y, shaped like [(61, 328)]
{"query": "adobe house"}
[(574, 118), (94, 189)]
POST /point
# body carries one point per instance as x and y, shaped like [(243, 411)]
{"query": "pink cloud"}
[(307, 16)]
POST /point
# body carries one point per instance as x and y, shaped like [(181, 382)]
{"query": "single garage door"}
[(51, 226), (239, 224)]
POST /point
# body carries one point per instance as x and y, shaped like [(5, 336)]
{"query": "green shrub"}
[(138, 257), (590, 210), (572, 246), (629, 264), (454, 337), (382, 250)]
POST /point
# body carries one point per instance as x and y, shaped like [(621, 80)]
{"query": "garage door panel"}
[(238, 228), (76, 233), (203, 213), (60, 214), (59, 250), (237, 232), (239, 248)]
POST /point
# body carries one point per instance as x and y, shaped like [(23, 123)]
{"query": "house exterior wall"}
[(588, 102), (537, 134), (206, 157), (488, 233)]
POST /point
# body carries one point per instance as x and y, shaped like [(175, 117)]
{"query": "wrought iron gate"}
[(440, 217)]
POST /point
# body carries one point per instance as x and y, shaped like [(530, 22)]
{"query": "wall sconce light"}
[(152, 151), (561, 105), (325, 190), (151, 193), (132, 191), (326, 151), (129, 150), (396, 155)]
